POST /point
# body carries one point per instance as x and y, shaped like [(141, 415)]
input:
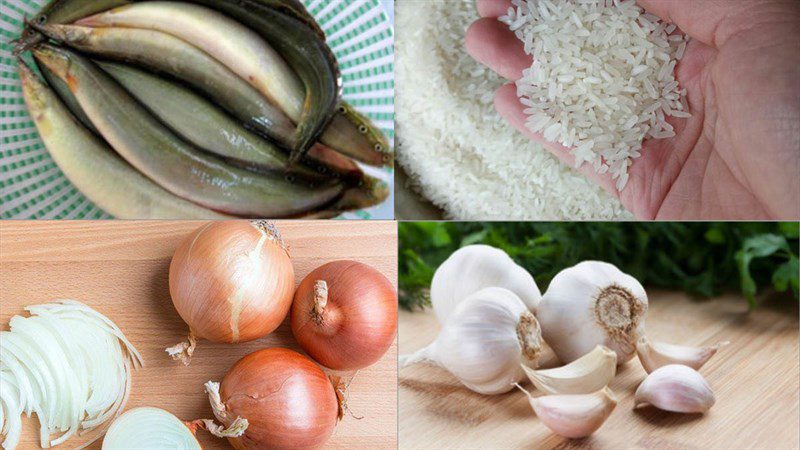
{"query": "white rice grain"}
[(460, 154), (577, 77)]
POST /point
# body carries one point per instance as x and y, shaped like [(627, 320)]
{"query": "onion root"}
[(320, 301), (183, 351)]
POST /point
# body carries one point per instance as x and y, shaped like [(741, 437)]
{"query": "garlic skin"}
[(574, 416), (658, 354), (474, 267), (675, 388), (585, 375), (484, 342), (593, 303)]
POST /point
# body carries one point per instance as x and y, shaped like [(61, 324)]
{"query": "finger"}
[(710, 21), (492, 8), (507, 104), (492, 44)]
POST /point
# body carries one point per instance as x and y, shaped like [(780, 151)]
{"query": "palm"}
[(726, 161), (699, 173)]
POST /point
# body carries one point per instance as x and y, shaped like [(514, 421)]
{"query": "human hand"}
[(738, 156)]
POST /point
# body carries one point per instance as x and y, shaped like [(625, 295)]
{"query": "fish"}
[(305, 52), (296, 9), (248, 55), (234, 45), (94, 168), (177, 166), (201, 123), (381, 154), (62, 90), (169, 55), (63, 11)]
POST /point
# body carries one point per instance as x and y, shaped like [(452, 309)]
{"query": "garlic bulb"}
[(484, 341), (592, 303), (675, 388), (474, 267), (574, 416), (657, 354), (585, 375)]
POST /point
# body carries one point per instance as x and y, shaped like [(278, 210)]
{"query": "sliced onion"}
[(66, 363), (149, 429), (12, 409)]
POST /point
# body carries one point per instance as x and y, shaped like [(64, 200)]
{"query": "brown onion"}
[(230, 281), (344, 315), (285, 398)]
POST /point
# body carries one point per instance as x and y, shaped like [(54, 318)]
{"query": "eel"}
[(201, 123), (296, 9), (69, 100), (93, 167), (167, 54), (245, 52), (236, 46), (305, 52), (64, 11), (179, 167)]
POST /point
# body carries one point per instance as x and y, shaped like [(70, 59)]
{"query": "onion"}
[(230, 281), (150, 429), (344, 315), (66, 363), (286, 400)]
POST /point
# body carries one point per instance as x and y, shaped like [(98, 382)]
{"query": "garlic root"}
[(656, 354), (574, 416), (675, 388), (585, 375)]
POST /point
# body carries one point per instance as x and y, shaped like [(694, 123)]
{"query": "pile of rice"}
[(462, 155), (602, 79)]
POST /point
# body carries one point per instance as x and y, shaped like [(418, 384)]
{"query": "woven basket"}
[(33, 187)]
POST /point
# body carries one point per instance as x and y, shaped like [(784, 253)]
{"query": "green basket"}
[(33, 187)]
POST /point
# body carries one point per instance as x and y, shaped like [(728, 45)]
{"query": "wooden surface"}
[(755, 379), (121, 269)]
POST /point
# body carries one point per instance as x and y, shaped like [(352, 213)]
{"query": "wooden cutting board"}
[(120, 268), (756, 381)]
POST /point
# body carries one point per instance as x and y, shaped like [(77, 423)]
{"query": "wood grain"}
[(121, 269), (756, 380)]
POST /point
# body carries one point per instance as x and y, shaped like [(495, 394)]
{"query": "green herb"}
[(702, 259)]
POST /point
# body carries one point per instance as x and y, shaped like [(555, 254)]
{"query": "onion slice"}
[(69, 365), (150, 428)]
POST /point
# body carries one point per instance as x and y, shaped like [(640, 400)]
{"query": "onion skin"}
[(358, 322), (232, 281), (287, 399)]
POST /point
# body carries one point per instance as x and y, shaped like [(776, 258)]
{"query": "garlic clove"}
[(657, 354), (675, 388), (574, 416), (585, 375)]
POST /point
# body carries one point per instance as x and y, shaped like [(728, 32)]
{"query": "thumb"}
[(712, 22)]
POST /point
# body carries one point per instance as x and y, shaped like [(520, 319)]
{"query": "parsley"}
[(702, 259)]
